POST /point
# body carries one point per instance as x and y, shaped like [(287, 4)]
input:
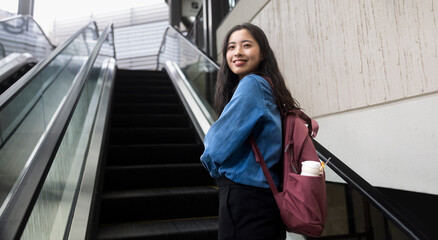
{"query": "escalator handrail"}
[(4, 20), (114, 45), (20, 205), (16, 88), (369, 192), (163, 40), (15, 61)]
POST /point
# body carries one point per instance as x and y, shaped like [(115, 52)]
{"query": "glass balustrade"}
[(199, 70), (25, 118), (50, 216), (23, 35)]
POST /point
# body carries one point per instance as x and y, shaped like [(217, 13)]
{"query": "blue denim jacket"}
[(251, 110)]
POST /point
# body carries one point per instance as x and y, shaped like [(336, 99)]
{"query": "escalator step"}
[(158, 204), (142, 98), (178, 229), (153, 108), (154, 154), (149, 120), (143, 82), (151, 135), (156, 176), (141, 74), (146, 90)]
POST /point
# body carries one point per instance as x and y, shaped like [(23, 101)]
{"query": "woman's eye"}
[(230, 47), (247, 45)]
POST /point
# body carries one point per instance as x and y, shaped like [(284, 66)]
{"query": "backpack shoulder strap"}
[(261, 161)]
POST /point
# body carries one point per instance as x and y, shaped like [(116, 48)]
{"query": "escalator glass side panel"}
[(52, 212), (24, 120), (351, 216), (199, 70), (23, 35)]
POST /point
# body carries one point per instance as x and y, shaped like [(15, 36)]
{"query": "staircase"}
[(154, 186)]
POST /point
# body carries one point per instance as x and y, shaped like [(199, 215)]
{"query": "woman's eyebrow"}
[(243, 41)]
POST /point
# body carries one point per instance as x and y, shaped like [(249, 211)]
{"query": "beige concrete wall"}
[(367, 70), (342, 55)]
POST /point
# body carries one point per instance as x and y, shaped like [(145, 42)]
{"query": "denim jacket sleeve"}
[(235, 124)]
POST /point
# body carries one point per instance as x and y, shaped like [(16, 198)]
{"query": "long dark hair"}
[(227, 81)]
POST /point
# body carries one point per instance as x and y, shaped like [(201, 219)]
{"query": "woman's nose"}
[(238, 52)]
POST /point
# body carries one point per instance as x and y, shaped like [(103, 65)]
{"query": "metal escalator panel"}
[(14, 66), (356, 209), (37, 187)]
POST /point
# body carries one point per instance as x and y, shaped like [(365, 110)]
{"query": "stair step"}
[(146, 89), (149, 108), (122, 136), (143, 82), (154, 154), (145, 99), (149, 120), (156, 176), (176, 229), (158, 204), (142, 74)]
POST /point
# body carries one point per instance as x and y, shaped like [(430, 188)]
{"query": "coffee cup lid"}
[(312, 164)]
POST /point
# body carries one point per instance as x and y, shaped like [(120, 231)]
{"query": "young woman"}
[(248, 107)]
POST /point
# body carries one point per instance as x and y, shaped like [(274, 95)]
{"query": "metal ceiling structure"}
[(25, 7)]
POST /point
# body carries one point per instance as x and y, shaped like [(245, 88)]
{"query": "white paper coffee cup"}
[(310, 168)]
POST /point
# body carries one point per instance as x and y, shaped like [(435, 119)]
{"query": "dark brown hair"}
[(227, 81)]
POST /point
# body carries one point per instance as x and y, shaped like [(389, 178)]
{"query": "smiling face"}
[(243, 53)]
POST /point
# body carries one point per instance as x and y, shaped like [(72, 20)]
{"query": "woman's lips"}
[(239, 62)]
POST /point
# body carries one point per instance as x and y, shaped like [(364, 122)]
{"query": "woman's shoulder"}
[(257, 81), (253, 81)]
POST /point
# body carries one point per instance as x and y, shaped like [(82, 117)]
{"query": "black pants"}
[(247, 212)]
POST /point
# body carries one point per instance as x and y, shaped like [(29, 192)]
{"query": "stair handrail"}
[(18, 210), (16, 88), (377, 198), (13, 62), (25, 17), (113, 39)]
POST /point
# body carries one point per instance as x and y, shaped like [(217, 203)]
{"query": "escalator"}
[(22, 45), (89, 151), (154, 186)]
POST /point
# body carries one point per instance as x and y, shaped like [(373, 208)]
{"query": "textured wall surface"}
[(367, 70), (342, 55)]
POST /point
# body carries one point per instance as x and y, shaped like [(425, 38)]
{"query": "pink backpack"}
[(302, 201)]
